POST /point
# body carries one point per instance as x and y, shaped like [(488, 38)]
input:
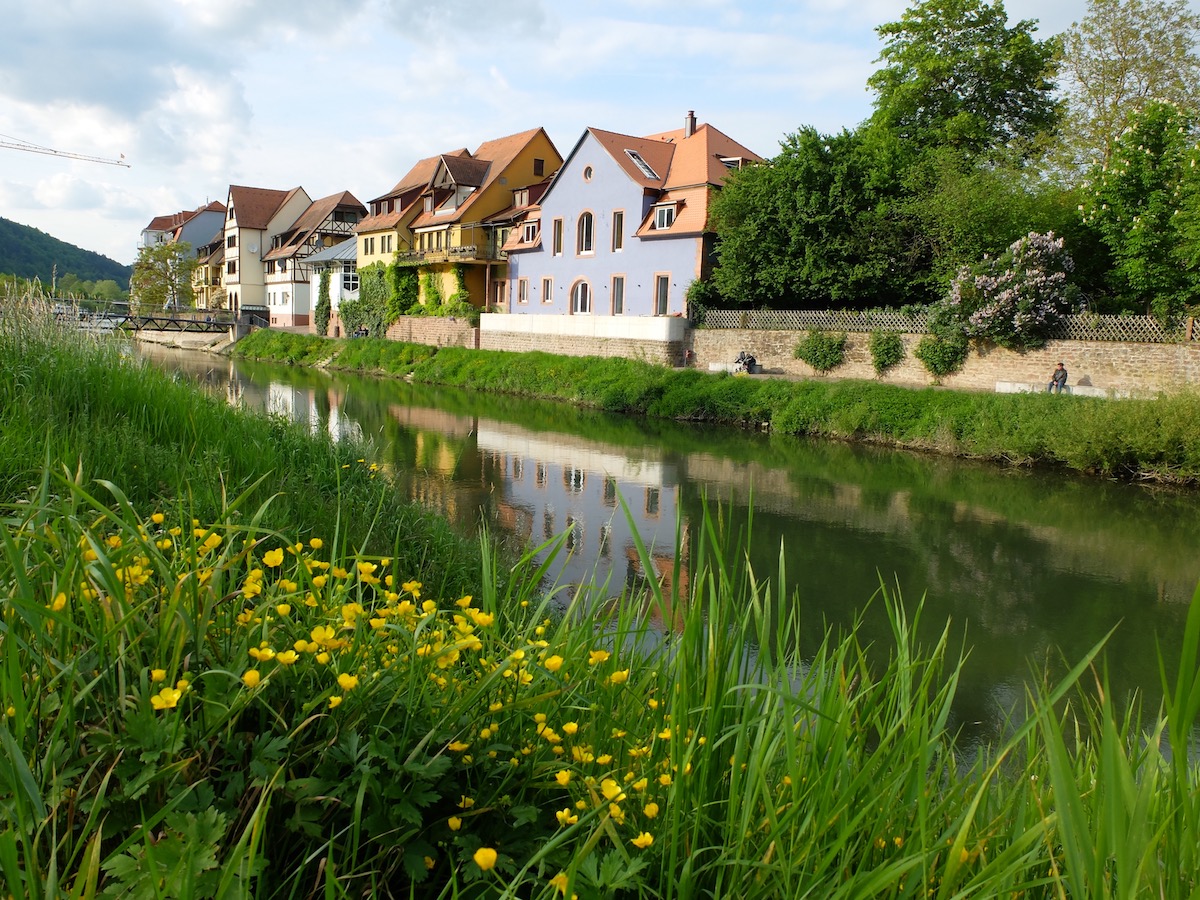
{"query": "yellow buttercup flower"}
[(643, 840), (553, 664), (566, 817), (650, 810), (563, 777), (335, 702), (166, 698), (457, 746), (316, 543), (283, 609), (619, 677), (158, 674), (273, 558), (157, 518), (454, 823), (287, 657), (485, 858), (347, 681), (251, 678), (596, 657)]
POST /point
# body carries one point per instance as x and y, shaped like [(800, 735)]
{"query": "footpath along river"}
[(1031, 568)]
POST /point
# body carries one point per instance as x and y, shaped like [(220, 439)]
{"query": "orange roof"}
[(407, 191), (254, 207), (499, 154), (311, 220)]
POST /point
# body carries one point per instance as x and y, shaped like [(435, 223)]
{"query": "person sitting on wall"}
[(1058, 380)]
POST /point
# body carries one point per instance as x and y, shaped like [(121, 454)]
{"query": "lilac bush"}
[(1014, 299)]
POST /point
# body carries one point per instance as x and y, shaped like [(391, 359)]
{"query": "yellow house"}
[(445, 217)]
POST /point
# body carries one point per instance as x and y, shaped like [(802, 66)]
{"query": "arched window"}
[(584, 234), (581, 297)]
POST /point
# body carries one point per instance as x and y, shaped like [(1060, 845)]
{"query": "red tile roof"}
[(254, 207)]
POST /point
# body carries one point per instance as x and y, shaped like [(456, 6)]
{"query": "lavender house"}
[(617, 239)]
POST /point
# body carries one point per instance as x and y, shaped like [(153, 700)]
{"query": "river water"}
[(1031, 568)]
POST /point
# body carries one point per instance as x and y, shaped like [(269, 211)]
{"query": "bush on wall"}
[(822, 350), (887, 350), (942, 354)]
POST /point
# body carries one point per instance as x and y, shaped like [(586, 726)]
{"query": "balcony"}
[(468, 253)]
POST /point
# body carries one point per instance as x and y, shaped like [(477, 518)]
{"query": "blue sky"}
[(199, 94)]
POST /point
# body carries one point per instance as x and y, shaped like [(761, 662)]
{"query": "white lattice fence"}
[(829, 319), (1142, 329)]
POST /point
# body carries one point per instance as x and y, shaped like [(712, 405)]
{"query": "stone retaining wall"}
[(434, 332), (1122, 367)]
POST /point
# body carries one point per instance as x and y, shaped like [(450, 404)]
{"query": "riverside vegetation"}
[(1155, 439), (286, 688)]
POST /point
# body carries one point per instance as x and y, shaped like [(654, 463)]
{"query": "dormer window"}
[(664, 216), (733, 162), (529, 232), (427, 205), (521, 197)]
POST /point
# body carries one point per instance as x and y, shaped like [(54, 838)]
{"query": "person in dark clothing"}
[(1058, 380)]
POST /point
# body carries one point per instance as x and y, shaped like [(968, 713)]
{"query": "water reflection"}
[(1031, 569)]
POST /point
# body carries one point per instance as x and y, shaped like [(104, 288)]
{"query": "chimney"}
[(689, 124)]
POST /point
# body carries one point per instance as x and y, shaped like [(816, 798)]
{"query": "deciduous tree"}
[(1121, 55), (1143, 204), (162, 277), (955, 74)]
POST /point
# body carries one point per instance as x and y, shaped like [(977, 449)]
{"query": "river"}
[(1031, 568)]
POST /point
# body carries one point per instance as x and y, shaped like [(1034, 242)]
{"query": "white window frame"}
[(581, 299), (664, 216)]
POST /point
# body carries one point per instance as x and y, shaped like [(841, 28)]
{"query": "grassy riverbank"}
[(196, 705), (1155, 439)]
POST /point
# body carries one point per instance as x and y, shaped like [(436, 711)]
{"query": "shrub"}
[(1015, 299), (887, 350), (822, 350), (942, 355)]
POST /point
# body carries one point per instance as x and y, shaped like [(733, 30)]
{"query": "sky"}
[(331, 96)]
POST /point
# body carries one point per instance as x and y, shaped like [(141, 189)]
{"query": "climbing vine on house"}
[(406, 291), (370, 310), (324, 307)]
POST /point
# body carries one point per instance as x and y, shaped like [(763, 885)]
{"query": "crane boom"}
[(18, 144)]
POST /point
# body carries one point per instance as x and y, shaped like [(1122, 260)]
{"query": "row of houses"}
[(620, 227)]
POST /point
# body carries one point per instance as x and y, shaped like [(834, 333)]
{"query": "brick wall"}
[(1126, 367), (434, 332)]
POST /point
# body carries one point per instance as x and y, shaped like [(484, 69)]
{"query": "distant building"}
[(196, 226)]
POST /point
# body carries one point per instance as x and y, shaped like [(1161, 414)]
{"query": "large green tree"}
[(821, 224), (1145, 204), (956, 74), (1121, 55), (162, 277)]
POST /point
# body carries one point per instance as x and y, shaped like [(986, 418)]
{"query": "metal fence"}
[(1083, 327)]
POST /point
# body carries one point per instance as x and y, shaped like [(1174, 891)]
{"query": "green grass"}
[(374, 355)]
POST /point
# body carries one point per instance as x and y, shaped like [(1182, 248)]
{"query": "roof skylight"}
[(642, 164)]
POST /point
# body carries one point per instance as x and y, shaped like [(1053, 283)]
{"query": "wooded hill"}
[(30, 253)]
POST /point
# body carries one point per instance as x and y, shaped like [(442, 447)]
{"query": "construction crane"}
[(12, 143)]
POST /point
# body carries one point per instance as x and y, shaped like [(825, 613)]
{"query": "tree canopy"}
[(162, 277), (1121, 55), (956, 74)]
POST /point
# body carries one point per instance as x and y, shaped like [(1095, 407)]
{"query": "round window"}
[(587, 173)]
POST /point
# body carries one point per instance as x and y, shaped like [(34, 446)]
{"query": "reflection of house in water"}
[(312, 408), (560, 484)]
